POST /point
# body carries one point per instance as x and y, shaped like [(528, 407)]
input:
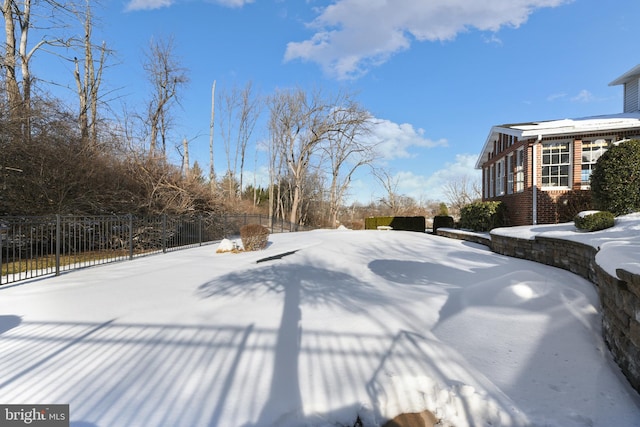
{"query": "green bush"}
[(483, 216), (594, 221), (254, 237), (615, 180), (406, 223), (442, 221), (372, 223)]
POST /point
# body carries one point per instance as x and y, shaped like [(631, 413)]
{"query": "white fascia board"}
[(605, 123), (583, 125), (488, 144), (629, 75)]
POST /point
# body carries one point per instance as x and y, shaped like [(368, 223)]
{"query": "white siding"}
[(631, 96)]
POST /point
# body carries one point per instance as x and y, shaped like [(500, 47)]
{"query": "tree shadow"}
[(418, 272), (8, 322), (300, 284), (426, 373), (316, 286)]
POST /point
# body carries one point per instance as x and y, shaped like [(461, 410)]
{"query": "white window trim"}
[(491, 181), (500, 177), (610, 139), (486, 183), (510, 175), (569, 143), (519, 172)]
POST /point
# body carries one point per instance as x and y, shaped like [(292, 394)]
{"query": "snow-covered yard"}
[(354, 323)]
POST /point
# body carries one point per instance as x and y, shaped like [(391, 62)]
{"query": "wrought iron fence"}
[(37, 246)]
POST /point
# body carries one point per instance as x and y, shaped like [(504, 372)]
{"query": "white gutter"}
[(535, 180)]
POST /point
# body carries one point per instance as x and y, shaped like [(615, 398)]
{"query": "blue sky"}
[(437, 74)]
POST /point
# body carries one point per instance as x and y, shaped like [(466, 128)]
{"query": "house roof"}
[(552, 128), (629, 75)]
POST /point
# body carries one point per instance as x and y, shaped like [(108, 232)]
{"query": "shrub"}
[(594, 220), (442, 221), (615, 181), (374, 222), (407, 223), (254, 237), (483, 216)]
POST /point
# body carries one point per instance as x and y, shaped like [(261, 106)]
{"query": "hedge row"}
[(407, 223)]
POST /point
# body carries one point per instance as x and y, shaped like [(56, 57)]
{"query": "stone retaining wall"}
[(454, 234), (619, 296)]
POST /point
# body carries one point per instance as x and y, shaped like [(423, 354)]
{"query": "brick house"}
[(540, 170)]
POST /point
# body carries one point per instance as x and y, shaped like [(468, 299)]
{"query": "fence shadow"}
[(9, 322), (176, 375), (170, 375)]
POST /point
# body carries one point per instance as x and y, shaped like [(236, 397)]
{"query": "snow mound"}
[(455, 405), (227, 245)]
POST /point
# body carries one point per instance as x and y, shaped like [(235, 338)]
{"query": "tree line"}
[(83, 158)]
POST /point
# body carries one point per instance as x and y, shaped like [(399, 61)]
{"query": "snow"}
[(227, 245), (619, 246), (353, 323)]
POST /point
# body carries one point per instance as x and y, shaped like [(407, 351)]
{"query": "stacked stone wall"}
[(619, 296), (453, 234)]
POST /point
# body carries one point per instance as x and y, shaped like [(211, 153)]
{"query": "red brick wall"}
[(553, 205)]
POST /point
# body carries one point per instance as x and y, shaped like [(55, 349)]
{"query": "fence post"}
[(1, 253), (199, 230), (130, 236), (58, 233), (224, 225), (164, 233)]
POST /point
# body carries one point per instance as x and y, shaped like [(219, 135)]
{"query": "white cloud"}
[(432, 187), (158, 4), (556, 96), (418, 186), (147, 4), (351, 36), (395, 140), (231, 3), (583, 96)]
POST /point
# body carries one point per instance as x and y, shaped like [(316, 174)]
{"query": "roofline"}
[(585, 125), (488, 144), (634, 72)]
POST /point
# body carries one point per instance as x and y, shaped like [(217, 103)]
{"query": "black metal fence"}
[(37, 246)]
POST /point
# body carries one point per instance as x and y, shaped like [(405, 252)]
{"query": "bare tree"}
[(240, 111), (297, 126), (461, 191), (88, 86), (346, 148), (250, 109), (390, 184), (18, 21), (167, 78)]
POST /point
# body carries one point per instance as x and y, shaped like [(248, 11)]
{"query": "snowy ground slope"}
[(619, 246), (354, 323)]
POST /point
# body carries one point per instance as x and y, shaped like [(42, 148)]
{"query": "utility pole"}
[(185, 166), (212, 174)]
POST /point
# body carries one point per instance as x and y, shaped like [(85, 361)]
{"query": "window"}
[(556, 159), (510, 174), (520, 170), (491, 180), (500, 177), (591, 152), (486, 183)]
